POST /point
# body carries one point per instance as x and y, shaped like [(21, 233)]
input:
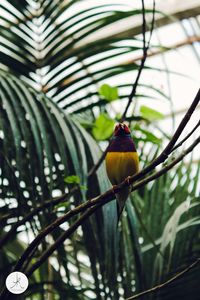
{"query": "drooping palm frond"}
[(173, 203), (40, 146)]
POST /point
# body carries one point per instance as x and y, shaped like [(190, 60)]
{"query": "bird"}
[(122, 161)]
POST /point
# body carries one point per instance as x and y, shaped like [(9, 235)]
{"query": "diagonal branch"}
[(8, 235), (133, 92), (166, 283), (145, 52), (145, 49), (96, 203), (102, 200), (187, 136), (92, 206), (109, 194), (169, 148)]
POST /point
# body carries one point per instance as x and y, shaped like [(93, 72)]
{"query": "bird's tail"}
[(121, 200)]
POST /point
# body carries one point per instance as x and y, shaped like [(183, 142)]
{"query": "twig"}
[(161, 158), (166, 283), (168, 167), (98, 202), (97, 165), (133, 92), (94, 204), (187, 136), (29, 216), (145, 50), (61, 239), (168, 149)]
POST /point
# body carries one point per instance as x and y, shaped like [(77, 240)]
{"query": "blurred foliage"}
[(150, 114), (103, 127), (56, 112), (108, 92)]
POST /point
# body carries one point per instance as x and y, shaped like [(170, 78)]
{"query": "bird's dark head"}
[(121, 129)]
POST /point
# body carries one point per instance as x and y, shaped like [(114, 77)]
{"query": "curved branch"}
[(169, 148), (8, 235), (133, 92), (145, 49), (100, 201), (109, 195), (187, 136), (166, 283), (161, 158), (96, 203)]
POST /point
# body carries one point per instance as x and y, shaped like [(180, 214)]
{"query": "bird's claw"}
[(127, 180), (114, 187)]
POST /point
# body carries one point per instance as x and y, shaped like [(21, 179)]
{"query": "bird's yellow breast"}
[(120, 165)]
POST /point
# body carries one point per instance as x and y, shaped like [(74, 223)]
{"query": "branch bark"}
[(133, 92), (96, 203), (102, 200), (7, 236), (109, 194), (166, 283)]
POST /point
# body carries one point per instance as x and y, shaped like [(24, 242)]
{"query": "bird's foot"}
[(127, 180), (114, 187)]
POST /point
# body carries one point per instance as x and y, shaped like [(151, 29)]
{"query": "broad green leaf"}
[(103, 127), (150, 114), (108, 92)]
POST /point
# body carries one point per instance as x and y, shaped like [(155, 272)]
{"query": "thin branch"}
[(133, 92), (187, 136), (99, 162), (100, 201), (94, 204), (168, 149), (145, 50), (109, 194), (97, 202), (168, 167), (166, 283), (62, 238), (8, 235)]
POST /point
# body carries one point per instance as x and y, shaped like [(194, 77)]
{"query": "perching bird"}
[(121, 162)]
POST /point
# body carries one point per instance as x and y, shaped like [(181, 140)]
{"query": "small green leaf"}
[(149, 136), (73, 179), (103, 127), (108, 92), (83, 187), (150, 114), (152, 138)]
